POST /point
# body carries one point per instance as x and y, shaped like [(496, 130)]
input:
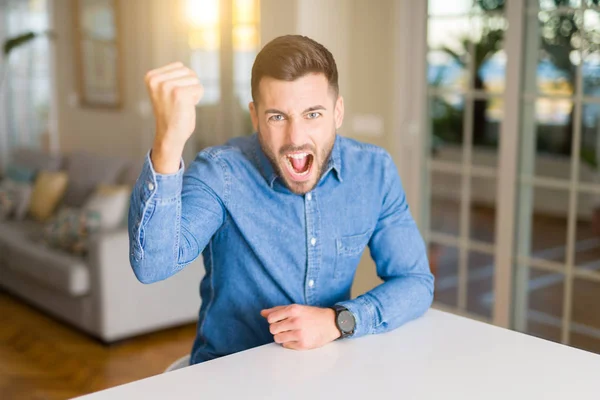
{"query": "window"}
[(205, 42), (245, 46), (206, 18), (25, 94)]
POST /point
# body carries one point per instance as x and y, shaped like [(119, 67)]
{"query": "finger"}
[(166, 68), (288, 336), (279, 315), (197, 93), (292, 345), (159, 82), (288, 324), (186, 93), (154, 78), (185, 80), (188, 82), (265, 313)]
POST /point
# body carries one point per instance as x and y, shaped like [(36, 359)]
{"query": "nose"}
[(296, 136)]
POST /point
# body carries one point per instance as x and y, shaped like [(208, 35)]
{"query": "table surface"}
[(439, 355)]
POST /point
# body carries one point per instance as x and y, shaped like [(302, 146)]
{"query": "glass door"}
[(557, 248), (511, 180), (466, 81)]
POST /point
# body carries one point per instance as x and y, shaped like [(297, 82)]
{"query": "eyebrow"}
[(309, 109)]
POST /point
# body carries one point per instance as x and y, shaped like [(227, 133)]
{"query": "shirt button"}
[(313, 241), (150, 186), (311, 283), (308, 196)]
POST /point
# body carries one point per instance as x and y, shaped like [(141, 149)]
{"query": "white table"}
[(439, 356)]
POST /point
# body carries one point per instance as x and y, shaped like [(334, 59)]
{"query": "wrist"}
[(166, 156)]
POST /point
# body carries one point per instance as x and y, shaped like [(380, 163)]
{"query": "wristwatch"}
[(344, 320)]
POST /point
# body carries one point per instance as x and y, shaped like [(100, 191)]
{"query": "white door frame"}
[(507, 163), (410, 100)]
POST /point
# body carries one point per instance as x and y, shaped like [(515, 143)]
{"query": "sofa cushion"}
[(111, 203), (19, 173), (14, 199), (51, 268), (71, 229), (48, 191), (22, 193), (36, 160), (7, 203), (87, 171)]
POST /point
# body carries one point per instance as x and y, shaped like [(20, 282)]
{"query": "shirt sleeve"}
[(400, 256), (172, 217)]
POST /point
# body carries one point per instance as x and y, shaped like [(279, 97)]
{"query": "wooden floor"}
[(41, 358)]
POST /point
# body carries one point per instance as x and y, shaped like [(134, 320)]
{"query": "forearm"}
[(173, 216), (391, 304), (160, 244)]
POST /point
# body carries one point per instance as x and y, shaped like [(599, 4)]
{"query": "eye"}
[(313, 115), (276, 118)]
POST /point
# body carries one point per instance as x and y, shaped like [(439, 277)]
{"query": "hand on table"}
[(301, 327)]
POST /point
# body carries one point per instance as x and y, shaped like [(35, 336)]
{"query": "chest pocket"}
[(348, 252)]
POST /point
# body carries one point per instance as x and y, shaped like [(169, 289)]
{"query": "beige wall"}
[(277, 18), (116, 132), (371, 88)]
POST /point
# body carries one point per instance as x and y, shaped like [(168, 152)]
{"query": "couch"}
[(96, 292)]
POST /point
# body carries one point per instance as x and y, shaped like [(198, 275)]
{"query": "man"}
[(281, 217)]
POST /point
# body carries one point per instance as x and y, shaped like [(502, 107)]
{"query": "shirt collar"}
[(335, 159), (269, 174)]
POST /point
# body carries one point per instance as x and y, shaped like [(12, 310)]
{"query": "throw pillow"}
[(87, 171), (21, 193), (17, 173), (14, 199), (48, 190), (70, 230), (111, 203), (7, 203)]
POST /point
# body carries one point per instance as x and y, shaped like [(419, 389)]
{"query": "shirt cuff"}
[(161, 186), (365, 315)]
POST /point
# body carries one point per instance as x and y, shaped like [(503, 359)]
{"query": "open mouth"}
[(299, 165)]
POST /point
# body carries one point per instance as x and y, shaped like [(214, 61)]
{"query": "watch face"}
[(346, 321)]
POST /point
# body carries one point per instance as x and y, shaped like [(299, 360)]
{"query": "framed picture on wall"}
[(98, 54)]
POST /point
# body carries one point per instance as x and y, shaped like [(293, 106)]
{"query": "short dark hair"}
[(290, 57)]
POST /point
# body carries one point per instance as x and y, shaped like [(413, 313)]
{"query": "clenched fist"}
[(301, 327), (174, 90)]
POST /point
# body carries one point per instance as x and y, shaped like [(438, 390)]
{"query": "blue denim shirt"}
[(264, 246)]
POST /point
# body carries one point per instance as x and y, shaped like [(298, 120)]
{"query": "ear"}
[(253, 115), (339, 112)]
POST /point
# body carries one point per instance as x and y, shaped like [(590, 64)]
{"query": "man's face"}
[(296, 124)]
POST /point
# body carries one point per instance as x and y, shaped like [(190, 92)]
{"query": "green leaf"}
[(13, 43)]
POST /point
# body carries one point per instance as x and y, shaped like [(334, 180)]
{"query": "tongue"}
[(299, 164)]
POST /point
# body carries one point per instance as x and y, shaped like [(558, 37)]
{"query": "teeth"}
[(298, 156)]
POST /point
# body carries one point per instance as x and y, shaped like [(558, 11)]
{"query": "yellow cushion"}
[(48, 190), (111, 190)]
